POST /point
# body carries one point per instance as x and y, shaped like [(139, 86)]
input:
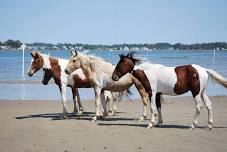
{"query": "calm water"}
[(11, 70)]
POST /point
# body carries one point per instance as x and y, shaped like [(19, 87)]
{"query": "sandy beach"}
[(35, 126)]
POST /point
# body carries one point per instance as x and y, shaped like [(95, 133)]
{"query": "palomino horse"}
[(159, 79), (52, 68), (99, 73)]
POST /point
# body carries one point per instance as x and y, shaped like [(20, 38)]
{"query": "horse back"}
[(187, 80)]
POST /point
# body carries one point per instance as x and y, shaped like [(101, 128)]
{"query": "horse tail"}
[(217, 77), (129, 92), (118, 96)]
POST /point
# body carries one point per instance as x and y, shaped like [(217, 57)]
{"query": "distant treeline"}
[(15, 44)]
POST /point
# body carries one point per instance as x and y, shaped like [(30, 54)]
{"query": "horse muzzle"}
[(67, 71), (44, 82), (30, 74)]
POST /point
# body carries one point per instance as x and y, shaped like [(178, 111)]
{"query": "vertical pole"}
[(23, 47), (214, 57), (23, 85)]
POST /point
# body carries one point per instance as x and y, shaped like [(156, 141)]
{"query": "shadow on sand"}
[(110, 121), (58, 116), (144, 125), (162, 126), (84, 116)]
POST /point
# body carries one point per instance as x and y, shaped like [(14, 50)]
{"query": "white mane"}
[(93, 59), (95, 64)]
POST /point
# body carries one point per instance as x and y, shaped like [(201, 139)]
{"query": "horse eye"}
[(74, 61)]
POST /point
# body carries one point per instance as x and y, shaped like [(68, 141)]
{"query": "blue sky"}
[(114, 21)]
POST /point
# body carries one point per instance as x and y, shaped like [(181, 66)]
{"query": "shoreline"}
[(24, 82), (165, 100), (149, 50)]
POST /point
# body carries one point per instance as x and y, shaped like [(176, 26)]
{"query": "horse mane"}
[(94, 60), (131, 56), (95, 63)]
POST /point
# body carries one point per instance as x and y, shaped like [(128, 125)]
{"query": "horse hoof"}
[(110, 114), (63, 117), (192, 126), (141, 119), (80, 112), (94, 119), (210, 127), (150, 126), (103, 117)]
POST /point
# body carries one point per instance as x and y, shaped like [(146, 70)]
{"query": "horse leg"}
[(198, 103), (112, 102), (109, 99), (81, 109), (110, 107), (115, 100), (158, 104), (104, 103), (208, 104), (97, 103), (63, 97), (154, 112), (145, 97), (75, 109)]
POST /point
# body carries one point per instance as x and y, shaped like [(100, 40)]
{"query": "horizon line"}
[(55, 43)]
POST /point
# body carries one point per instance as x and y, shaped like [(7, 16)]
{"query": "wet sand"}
[(36, 126)]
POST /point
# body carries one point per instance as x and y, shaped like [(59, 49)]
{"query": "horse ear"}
[(122, 55), (131, 54), (33, 54), (74, 52)]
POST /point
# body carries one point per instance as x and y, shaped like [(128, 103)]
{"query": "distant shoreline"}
[(12, 50), (16, 44)]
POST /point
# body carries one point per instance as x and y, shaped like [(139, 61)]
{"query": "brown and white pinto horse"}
[(52, 68), (158, 79)]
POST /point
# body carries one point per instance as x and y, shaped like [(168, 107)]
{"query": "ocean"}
[(11, 71)]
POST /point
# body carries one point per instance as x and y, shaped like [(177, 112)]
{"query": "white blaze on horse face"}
[(29, 69)]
